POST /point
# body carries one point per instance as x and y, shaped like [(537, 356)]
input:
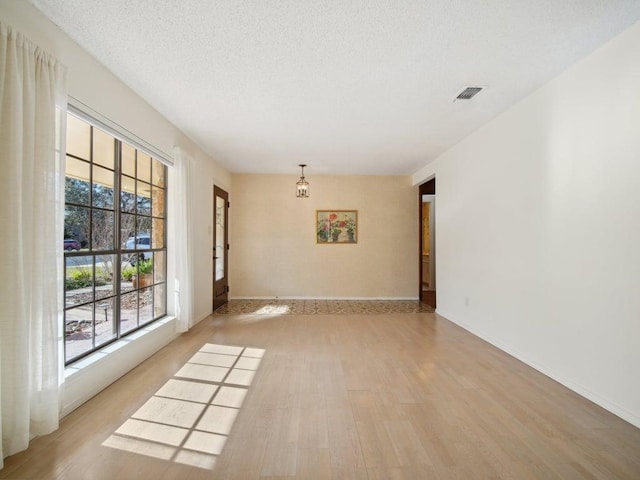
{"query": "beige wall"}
[(273, 241)]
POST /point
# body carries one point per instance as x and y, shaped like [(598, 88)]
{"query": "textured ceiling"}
[(348, 87)]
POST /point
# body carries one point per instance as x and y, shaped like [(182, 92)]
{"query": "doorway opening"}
[(220, 247), (427, 193)]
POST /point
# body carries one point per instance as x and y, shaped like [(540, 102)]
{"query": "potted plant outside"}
[(144, 276)]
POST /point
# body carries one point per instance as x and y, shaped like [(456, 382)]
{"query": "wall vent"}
[(468, 93)]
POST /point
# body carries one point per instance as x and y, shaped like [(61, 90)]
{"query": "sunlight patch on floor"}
[(273, 310), (189, 418)]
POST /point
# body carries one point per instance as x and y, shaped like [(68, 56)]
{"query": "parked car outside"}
[(71, 244), (142, 241)]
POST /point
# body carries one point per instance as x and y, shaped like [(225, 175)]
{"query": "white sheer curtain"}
[(181, 217), (31, 82)]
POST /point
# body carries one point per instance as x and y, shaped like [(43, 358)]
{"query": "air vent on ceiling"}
[(468, 93)]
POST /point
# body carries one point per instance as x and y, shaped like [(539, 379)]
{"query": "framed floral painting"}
[(337, 226)]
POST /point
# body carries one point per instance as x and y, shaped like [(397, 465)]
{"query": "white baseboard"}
[(581, 390), (207, 315), (325, 298)]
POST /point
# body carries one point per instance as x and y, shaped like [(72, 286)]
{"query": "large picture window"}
[(114, 239)]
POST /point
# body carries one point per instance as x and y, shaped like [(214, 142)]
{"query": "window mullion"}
[(91, 245), (117, 236)]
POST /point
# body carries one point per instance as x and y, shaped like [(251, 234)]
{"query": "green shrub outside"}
[(82, 278), (128, 272)]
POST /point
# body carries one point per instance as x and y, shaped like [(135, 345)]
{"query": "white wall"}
[(95, 86), (204, 177), (274, 250), (538, 228)]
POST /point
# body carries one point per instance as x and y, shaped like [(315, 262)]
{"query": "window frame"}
[(118, 251)]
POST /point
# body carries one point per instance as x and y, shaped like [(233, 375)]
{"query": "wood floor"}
[(399, 396)]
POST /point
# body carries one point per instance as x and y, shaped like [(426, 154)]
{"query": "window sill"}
[(88, 376)]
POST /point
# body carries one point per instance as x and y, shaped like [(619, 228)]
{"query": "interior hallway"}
[(399, 395)]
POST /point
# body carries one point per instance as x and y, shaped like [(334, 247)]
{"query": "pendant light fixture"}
[(302, 187)]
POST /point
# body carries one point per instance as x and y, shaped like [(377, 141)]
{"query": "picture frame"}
[(336, 227)]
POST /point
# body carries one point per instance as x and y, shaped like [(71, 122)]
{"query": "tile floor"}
[(322, 307)]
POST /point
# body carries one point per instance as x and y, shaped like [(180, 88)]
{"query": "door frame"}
[(220, 297), (427, 188)]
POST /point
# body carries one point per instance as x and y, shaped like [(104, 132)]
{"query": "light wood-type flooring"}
[(397, 396)]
